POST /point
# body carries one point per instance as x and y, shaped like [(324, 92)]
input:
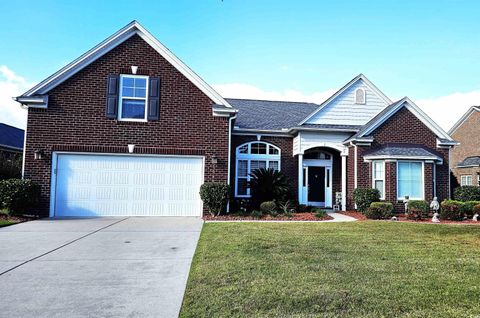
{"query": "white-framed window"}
[(410, 181), (360, 96), (378, 177), (132, 105), (466, 180), (251, 156)]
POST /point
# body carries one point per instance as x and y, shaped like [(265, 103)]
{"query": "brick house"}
[(466, 155), (129, 129), (11, 141)]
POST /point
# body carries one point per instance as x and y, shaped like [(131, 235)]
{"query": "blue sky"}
[(427, 50)]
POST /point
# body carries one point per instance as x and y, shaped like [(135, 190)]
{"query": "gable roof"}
[(343, 89), (462, 119), (11, 137), (392, 109), (110, 43), (268, 114)]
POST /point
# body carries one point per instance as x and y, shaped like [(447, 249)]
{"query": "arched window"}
[(251, 156), (360, 96)]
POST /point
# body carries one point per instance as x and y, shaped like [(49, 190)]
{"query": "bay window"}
[(252, 156), (410, 180)]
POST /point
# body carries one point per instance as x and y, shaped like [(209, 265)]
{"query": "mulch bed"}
[(16, 219), (401, 218), (307, 216)]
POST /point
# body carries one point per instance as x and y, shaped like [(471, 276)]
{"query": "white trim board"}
[(131, 29), (462, 119)]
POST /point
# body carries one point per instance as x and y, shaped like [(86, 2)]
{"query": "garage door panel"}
[(105, 185)]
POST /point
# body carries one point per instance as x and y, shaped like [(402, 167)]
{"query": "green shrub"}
[(268, 207), (418, 209), (256, 214), (268, 185), (287, 207), (19, 196), (320, 213), (215, 196), (476, 209), (379, 210), (451, 210), (467, 208), (467, 193), (363, 197)]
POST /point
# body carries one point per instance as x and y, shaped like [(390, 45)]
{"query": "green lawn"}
[(5, 223), (361, 269)]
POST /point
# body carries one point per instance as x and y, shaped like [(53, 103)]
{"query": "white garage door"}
[(106, 185)]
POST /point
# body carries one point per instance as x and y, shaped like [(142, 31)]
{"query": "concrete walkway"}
[(338, 217), (102, 267)]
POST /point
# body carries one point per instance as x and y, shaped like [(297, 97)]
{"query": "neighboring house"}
[(466, 155), (131, 90), (11, 141)]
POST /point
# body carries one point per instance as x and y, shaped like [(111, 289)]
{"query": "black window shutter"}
[(154, 99), (112, 96)]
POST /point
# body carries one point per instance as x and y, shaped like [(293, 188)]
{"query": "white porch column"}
[(344, 182), (300, 178)]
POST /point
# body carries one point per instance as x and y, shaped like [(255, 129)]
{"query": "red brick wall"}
[(75, 119), (403, 128)]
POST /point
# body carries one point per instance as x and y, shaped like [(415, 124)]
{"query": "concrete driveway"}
[(101, 267)]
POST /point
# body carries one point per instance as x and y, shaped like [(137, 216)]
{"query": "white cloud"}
[(447, 110), (239, 90), (12, 85)]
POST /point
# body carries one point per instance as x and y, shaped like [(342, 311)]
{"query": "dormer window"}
[(132, 104), (359, 96)]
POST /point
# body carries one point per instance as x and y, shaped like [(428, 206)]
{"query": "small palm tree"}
[(268, 185)]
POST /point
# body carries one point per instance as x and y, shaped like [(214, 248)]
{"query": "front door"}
[(316, 184)]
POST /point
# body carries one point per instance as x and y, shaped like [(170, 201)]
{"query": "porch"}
[(322, 170)]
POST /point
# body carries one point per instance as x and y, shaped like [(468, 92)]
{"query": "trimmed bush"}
[(451, 210), (215, 195), (363, 197), (467, 208), (467, 193), (379, 210), (19, 196), (268, 185), (268, 207), (418, 209)]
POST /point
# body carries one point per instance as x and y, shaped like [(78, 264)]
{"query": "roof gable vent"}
[(360, 96)]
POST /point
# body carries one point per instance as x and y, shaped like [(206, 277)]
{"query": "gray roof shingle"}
[(11, 137), (402, 151), (469, 162), (270, 115)]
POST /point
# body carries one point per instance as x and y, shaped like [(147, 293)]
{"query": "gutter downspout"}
[(230, 121)]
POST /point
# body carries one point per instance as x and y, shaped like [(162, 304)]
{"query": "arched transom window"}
[(252, 156)]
